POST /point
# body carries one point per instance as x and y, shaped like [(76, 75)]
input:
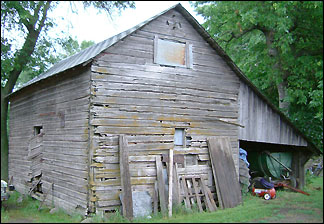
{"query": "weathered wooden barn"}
[(164, 83)]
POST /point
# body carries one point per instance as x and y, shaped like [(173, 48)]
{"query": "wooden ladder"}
[(195, 191)]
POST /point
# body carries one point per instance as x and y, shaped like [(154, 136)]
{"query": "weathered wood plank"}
[(149, 74), (160, 181), (194, 183), (161, 113), (176, 186), (208, 195), (127, 201), (186, 192), (272, 128), (170, 178), (155, 198), (224, 171), (171, 74)]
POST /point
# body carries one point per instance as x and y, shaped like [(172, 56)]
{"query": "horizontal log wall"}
[(145, 101), (263, 124), (65, 140)]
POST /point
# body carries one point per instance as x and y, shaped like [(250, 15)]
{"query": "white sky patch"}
[(90, 25)]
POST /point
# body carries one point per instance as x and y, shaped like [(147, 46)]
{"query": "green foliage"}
[(273, 43), (71, 46), (23, 20)]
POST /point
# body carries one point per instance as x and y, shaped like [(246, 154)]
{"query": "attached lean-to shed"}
[(163, 84)]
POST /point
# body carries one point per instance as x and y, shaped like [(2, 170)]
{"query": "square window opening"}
[(172, 53), (179, 137), (38, 130)]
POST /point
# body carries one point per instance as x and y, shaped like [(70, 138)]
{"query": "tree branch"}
[(45, 9), (234, 36), (36, 16), (23, 56), (241, 34)]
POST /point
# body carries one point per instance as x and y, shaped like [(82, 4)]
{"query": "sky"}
[(89, 25)]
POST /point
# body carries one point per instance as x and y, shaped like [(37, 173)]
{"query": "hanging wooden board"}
[(224, 171)]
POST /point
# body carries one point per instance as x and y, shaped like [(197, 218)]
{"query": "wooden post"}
[(155, 198), (160, 181), (127, 200), (170, 182), (176, 192)]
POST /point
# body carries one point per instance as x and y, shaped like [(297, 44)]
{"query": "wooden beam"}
[(155, 198), (176, 186), (196, 193), (127, 200), (170, 182), (159, 174)]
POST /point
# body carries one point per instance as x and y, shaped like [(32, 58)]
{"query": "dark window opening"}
[(38, 130)]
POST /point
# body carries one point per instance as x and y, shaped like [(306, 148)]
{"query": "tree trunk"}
[(4, 136), (282, 92), (282, 86), (21, 59)]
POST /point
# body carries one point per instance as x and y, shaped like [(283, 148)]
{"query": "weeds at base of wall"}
[(116, 217), (289, 206)]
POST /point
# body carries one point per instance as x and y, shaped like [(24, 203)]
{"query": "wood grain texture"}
[(255, 114), (161, 186), (224, 171), (64, 143), (127, 199)]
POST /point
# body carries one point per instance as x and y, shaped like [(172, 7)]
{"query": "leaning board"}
[(224, 171)]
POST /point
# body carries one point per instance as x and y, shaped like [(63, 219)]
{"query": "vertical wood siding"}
[(145, 101), (262, 123), (64, 157)]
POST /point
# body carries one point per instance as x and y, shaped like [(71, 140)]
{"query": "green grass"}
[(255, 209), (28, 210), (287, 206)]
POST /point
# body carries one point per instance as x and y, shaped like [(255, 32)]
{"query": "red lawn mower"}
[(265, 193), (263, 188)]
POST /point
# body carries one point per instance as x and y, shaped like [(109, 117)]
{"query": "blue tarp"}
[(243, 155)]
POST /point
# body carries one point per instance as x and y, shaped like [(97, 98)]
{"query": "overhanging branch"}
[(23, 56), (243, 32)]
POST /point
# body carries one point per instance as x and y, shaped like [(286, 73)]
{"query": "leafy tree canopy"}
[(279, 46)]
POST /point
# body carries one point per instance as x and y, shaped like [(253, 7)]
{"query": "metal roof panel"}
[(88, 53)]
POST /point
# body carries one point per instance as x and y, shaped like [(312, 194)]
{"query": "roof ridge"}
[(102, 45)]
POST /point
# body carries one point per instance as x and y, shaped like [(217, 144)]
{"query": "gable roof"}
[(85, 56)]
